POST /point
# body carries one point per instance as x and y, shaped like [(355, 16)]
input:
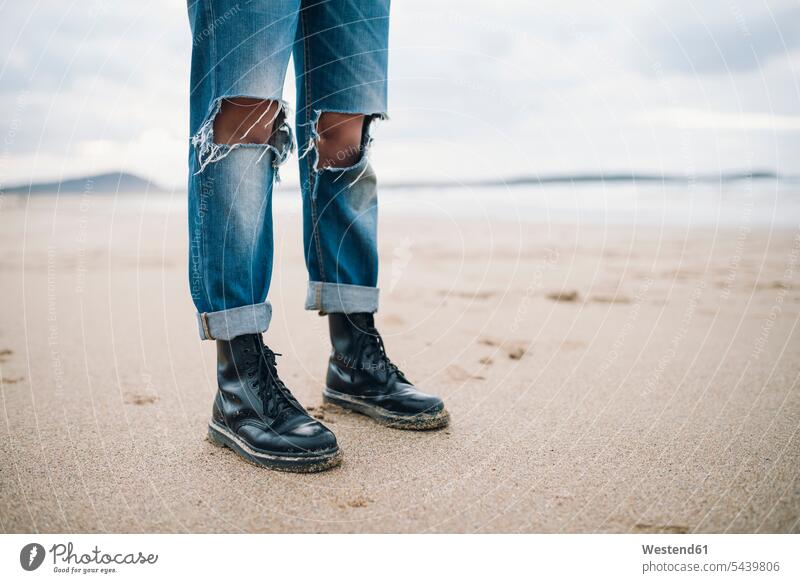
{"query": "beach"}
[(633, 378)]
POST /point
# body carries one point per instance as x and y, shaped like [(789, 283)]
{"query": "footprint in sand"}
[(514, 349), (393, 320), (564, 296), (457, 373), (470, 295), (515, 352), (326, 412), (318, 413), (610, 299), (572, 345), (357, 502), (683, 274), (137, 399), (774, 285)]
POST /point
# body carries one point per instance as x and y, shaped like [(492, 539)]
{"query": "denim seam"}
[(203, 254), (313, 181), (315, 229), (206, 330), (210, 7), (209, 10)]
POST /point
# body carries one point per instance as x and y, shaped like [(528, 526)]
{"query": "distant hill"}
[(112, 182), (122, 182)]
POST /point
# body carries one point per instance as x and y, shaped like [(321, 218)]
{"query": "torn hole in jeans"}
[(366, 140), (280, 142)]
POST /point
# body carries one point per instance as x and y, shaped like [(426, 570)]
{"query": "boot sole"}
[(419, 422), (222, 437)]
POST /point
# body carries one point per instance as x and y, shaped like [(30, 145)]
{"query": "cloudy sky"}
[(477, 89)]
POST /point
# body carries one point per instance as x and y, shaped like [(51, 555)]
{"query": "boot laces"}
[(276, 397), (370, 345)]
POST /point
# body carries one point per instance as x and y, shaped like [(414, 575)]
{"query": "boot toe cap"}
[(414, 402), (309, 437), (312, 436), (431, 404)]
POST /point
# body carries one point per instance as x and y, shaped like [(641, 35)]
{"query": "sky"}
[(476, 90)]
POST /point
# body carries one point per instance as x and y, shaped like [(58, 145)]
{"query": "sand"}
[(600, 379)]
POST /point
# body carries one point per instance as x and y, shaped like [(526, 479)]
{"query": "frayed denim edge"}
[(363, 161), (281, 144)]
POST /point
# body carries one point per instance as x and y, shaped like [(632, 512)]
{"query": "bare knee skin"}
[(244, 120), (339, 143)]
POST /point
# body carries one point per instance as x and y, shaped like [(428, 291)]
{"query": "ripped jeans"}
[(242, 49)]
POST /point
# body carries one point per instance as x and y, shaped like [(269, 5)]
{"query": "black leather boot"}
[(362, 378), (256, 416)]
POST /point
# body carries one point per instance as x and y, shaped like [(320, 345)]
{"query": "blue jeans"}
[(242, 49)]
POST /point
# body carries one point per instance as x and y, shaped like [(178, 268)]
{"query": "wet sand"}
[(600, 379)]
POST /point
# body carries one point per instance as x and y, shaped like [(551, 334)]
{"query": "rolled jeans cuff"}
[(331, 298), (228, 324)]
